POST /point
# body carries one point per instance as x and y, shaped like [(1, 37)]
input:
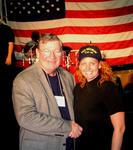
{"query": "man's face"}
[(50, 54)]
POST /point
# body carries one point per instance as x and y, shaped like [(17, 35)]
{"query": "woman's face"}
[(89, 67)]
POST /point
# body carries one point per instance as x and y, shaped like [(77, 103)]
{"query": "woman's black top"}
[(93, 106)]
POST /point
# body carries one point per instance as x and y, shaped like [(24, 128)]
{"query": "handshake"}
[(76, 130)]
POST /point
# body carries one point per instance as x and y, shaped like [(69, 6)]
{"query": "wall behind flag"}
[(106, 23)]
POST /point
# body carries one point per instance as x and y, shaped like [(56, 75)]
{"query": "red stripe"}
[(79, 30), (120, 61), (104, 46), (18, 48), (99, 13), (116, 45)]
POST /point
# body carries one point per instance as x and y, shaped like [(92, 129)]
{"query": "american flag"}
[(105, 23)]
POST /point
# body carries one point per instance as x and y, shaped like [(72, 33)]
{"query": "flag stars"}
[(58, 9), (38, 11), (28, 12), (23, 8), (52, 5), (11, 12), (47, 1), (28, 3), (43, 6), (19, 3), (33, 7), (37, 2), (48, 10), (11, 3)]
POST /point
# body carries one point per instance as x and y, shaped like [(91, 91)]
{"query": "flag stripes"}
[(106, 23)]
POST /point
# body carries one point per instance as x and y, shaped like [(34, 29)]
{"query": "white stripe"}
[(72, 22), (98, 5), (21, 40), (97, 38), (118, 53)]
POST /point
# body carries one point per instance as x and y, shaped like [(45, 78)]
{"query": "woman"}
[(98, 105)]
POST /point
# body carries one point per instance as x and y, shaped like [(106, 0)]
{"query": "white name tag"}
[(60, 101)]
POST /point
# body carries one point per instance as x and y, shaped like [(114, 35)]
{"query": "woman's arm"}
[(10, 51), (118, 122)]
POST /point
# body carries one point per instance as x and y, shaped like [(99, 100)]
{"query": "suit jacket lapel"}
[(67, 93), (54, 110)]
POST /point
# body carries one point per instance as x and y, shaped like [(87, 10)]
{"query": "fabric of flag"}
[(105, 23)]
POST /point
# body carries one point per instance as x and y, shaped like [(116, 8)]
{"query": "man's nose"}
[(52, 54)]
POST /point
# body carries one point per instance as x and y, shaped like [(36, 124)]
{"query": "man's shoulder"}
[(28, 72), (64, 71)]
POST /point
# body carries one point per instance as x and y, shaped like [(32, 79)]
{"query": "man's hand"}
[(76, 130)]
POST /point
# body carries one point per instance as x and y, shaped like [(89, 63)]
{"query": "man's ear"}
[(99, 67), (37, 53)]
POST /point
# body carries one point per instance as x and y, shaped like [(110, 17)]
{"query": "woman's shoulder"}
[(108, 83), (77, 87)]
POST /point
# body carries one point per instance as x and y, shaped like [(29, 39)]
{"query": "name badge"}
[(60, 101)]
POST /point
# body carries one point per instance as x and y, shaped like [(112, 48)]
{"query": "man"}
[(43, 101)]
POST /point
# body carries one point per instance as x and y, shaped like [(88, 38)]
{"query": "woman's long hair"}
[(105, 73)]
